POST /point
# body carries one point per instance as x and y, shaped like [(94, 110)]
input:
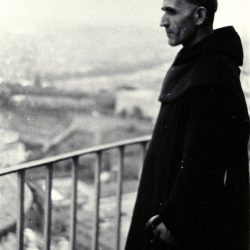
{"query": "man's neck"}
[(200, 35)]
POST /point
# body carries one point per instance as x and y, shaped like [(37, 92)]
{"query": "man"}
[(194, 188)]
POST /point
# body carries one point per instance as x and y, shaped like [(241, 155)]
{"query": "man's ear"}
[(200, 15)]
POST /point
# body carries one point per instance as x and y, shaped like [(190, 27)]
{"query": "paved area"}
[(61, 197), (8, 201)]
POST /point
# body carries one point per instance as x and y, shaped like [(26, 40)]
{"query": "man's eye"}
[(170, 12)]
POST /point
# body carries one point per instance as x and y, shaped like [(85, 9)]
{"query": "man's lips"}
[(169, 33)]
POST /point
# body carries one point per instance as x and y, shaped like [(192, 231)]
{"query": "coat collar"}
[(206, 63), (223, 42)]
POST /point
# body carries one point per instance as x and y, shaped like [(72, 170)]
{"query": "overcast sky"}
[(21, 14)]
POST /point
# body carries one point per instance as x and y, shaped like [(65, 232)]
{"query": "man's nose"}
[(164, 21)]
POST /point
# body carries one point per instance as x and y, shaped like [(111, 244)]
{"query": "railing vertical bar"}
[(74, 202), (48, 206), (119, 198), (144, 148), (143, 153), (95, 238), (20, 211)]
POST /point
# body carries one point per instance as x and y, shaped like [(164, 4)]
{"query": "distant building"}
[(137, 102), (12, 151)]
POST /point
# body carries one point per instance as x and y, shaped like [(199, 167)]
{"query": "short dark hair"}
[(210, 5)]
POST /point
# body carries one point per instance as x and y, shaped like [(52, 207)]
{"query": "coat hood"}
[(212, 61), (224, 42)]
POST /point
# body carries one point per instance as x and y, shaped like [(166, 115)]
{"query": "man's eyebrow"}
[(168, 9)]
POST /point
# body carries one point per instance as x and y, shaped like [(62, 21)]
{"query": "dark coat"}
[(195, 173)]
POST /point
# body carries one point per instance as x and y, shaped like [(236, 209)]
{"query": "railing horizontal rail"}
[(61, 157)]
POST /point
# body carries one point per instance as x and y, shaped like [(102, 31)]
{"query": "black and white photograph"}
[(124, 125)]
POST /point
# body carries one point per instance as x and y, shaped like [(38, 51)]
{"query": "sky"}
[(21, 15)]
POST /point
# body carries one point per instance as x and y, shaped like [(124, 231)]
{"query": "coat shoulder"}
[(215, 71), (206, 72)]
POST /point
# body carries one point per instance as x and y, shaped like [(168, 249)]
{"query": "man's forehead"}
[(175, 4)]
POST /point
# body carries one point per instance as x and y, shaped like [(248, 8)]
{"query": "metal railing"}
[(74, 156)]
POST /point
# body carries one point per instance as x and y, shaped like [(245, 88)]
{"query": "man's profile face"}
[(179, 22)]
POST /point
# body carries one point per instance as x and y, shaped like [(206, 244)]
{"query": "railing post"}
[(74, 202), (95, 238), (20, 209), (119, 197), (143, 153), (48, 206)]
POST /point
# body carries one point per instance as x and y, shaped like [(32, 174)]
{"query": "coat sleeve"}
[(196, 204)]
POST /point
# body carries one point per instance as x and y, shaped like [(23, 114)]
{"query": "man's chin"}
[(172, 43)]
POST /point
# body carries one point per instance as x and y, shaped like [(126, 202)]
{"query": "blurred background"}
[(78, 73)]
